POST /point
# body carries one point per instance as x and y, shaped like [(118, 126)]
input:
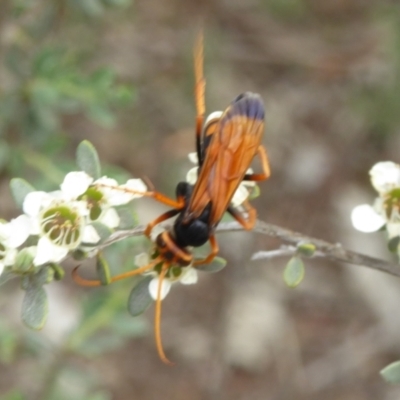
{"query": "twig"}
[(331, 251)]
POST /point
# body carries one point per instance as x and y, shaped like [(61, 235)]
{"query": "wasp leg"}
[(265, 166), (247, 223), (169, 214), (179, 203), (199, 90), (157, 317), (213, 253), (95, 282)]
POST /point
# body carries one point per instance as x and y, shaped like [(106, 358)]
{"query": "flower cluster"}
[(385, 211), (63, 221)]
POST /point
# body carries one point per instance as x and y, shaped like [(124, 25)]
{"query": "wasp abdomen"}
[(249, 105)]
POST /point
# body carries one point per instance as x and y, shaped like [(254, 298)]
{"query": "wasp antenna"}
[(199, 74), (83, 282), (157, 318)]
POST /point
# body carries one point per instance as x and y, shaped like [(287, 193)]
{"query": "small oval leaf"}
[(215, 265), (139, 298), (306, 249), (35, 307), (294, 272), (391, 373), (87, 159), (20, 188), (103, 270)]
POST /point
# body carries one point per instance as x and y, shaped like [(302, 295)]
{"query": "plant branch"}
[(334, 252)]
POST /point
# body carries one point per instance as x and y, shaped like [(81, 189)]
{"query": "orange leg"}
[(265, 166), (157, 317), (248, 223), (89, 282), (211, 256), (161, 218), (155, 195)]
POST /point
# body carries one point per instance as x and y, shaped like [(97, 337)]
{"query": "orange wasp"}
[(226, 145)]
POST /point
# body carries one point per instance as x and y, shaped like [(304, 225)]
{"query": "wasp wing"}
[(233, 142)]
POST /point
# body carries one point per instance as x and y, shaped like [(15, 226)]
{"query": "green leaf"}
[(393, 244), (391, 373), (23, 261), (103, 270), (35, 307), (306, 249), (215, 265), (87, 159), (19, 189), (127, 217), (294, 272), (43, 276), (139, 298)]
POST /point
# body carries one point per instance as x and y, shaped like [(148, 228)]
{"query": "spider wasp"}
[(226, 144)]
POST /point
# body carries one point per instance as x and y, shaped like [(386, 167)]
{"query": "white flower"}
[(184, 275), (385, 176), (12, 235), (59, 223), (105, 193), (366, 219)]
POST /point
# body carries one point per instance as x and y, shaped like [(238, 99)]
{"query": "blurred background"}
[(119, 73)]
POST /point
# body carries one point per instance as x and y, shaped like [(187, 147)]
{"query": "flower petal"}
[(10, 256), (153, 288), (393, 229), (141, 260), (110, 218), (75, 183), (365, 219), (90, 235), (385, 176), (49, 252), (193, 158), (240, 196), (189, 277), (192, 175), (33, 203), (134, 189), (19, 230)]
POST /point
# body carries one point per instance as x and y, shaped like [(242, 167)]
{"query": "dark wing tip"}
[(248, 104)]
